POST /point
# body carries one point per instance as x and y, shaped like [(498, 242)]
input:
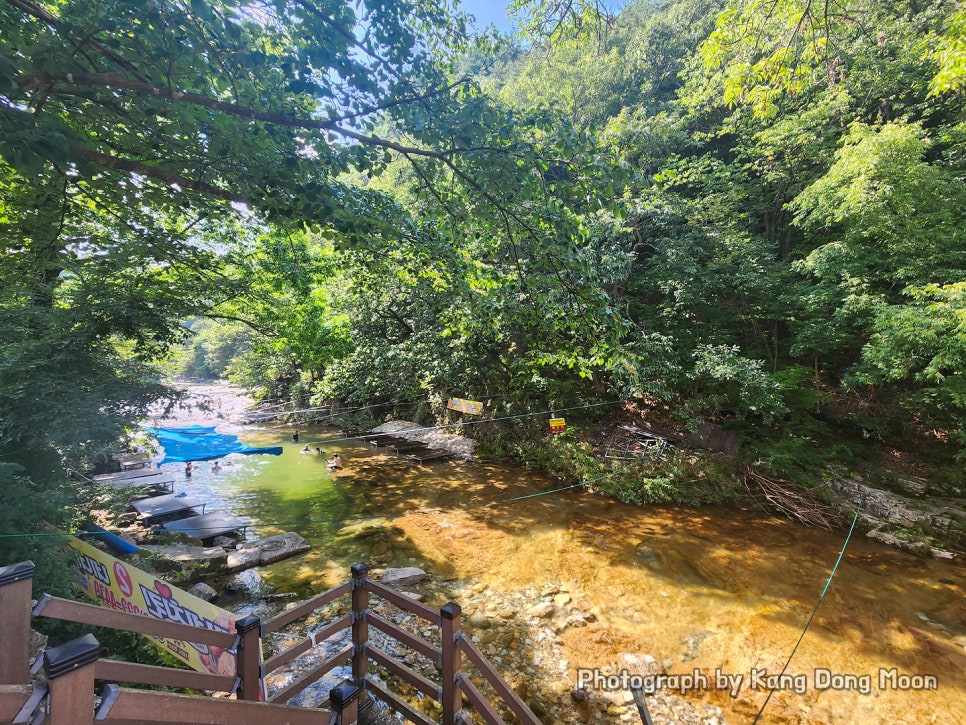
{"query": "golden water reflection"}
[(710, 588)]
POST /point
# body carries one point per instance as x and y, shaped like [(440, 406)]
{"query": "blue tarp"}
[(198, 443)]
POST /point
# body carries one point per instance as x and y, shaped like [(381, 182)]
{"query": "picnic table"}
[(154, 482), (133, 460), (207, 526), (168, 505)]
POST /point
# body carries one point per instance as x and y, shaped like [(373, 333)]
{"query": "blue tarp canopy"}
[(198, 443)]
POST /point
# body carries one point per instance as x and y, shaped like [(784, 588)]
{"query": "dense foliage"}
[(732, 210)]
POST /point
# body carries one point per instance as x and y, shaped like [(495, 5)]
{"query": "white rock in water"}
[(243, 559), (403, 576)]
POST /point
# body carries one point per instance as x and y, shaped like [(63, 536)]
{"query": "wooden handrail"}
[(119, 671), (430, 651), (449, 689), (339, 658), (307, 607), (424, 685), (48, 606), (16, 585), (130, 707), (14, 699), (479, 701), (398, 704), (511, 698), (403, 602), (303, 646)]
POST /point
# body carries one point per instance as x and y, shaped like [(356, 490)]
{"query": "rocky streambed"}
[(519, 634), (574, 581)]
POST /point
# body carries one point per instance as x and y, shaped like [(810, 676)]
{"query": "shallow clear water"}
[(713, 589)]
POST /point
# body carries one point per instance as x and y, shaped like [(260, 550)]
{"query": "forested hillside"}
[(749, 212)]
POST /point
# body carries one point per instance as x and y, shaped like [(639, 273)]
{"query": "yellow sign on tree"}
[(557, 425), (465, 406)]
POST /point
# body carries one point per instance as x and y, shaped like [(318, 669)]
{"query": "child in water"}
[(334, 462)]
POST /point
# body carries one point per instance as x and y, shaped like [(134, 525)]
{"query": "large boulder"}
[(243, 559), (203, 591), (188, 564), (403, 576), (276, 548)]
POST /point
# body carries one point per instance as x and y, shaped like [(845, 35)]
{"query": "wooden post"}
[(641, 706), (16, 583), (248, 662), (360, 628), (344, 700), (70, 681), (452, 697)]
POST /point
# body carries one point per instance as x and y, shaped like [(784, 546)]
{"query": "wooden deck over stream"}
[(412, 450)]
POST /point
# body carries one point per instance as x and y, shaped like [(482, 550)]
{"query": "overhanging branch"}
[(40, 13), (153, 172)]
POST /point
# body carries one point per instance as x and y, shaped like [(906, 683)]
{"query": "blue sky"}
[(488, 11)]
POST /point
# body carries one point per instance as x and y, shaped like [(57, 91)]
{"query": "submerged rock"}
[(362, 529)]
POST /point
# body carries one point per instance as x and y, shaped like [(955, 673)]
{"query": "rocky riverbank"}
[(908, 517), (219, 403)]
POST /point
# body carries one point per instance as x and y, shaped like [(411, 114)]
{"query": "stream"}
[(581, 582)]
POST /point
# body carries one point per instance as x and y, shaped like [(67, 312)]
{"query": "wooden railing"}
[(72, 668), (447, 689)]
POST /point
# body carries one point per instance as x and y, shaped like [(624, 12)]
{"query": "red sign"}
[(123, 579)]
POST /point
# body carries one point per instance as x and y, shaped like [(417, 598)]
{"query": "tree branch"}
[(152, 172), (40, 13), (47, 83)]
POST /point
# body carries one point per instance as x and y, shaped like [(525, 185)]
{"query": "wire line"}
[(809, 622), (581, 484)]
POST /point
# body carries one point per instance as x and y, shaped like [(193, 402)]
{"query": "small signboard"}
[(465, 406), (557, 425)]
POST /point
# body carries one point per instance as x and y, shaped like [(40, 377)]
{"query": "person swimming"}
[(335, 461), (306, 449)]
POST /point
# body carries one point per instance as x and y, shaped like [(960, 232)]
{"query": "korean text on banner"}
[(558, 425), (115, 584), (465, 406)]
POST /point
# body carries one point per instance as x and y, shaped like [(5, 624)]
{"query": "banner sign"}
[(115, 584), (465, 406), (557, 425)]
